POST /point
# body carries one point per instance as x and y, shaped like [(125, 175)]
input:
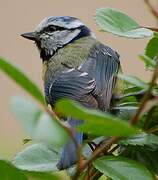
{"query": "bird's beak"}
[(30, 35)]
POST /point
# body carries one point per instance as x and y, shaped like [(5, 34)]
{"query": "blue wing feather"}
[(69, 151)]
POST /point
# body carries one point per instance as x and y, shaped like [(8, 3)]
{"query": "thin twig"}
[(151, 28), (152, 9), (146, 97), (153, 129), (96, 175), (104, 147)]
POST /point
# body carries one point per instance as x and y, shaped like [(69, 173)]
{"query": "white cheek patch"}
[(67, 35), (51, 42)]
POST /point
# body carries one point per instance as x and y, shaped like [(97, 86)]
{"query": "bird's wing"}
[(78, 86), (73, 84), (102, 65)]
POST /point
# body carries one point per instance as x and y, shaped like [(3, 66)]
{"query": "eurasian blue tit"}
[(76, 66)]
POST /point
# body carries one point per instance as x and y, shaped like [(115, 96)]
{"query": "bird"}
[(76, 66)]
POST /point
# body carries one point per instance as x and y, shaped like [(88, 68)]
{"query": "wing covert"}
[(102, 65), (72, 84)]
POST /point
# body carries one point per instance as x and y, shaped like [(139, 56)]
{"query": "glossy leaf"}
[(155, 34), (152, 48), (143, 154), (26, 112), (131, 89), (42, 176), (9, 172), (37, 157), (50, 132), (126, 114), (149, 63), (141, 140), (119, 168), (39, 125), (148, 157), (21, 79), (151, 119), (134, 81), (126, 108), (120, 24), (96, 122)]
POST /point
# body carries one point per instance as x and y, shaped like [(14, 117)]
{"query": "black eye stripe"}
[(52, 28)]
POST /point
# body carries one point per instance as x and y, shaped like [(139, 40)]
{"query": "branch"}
[(153, 129), (104, 147), (152, 9), (147, 96)]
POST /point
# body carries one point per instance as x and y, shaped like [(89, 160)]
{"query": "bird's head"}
[(55, 32)]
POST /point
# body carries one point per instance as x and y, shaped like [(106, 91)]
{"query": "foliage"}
[(37, 157), (38, 124), (120, 24), (122, 168), (126, 138), (21, 79)]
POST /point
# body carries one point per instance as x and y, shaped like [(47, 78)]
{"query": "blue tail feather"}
[(69, 151)]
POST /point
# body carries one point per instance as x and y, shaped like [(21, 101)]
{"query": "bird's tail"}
[(69, 151)]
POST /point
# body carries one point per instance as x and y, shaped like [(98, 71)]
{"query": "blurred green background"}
[(20, 16)]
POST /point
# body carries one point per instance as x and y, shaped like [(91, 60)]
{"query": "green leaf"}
[(151, 119), (126, 114), (152, 48), (149, 63), (50, 131), (119, 168), (9, 172), (37, 157), (21, 79), (131, 89), (155, 34), (27, 112), (141, 140), (125, 108), (39, 125), (127, 105), (120, 24), (144, 155), (96, 122), (42, 176), (133, 80)]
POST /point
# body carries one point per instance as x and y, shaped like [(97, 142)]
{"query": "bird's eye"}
[(51, 28)]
